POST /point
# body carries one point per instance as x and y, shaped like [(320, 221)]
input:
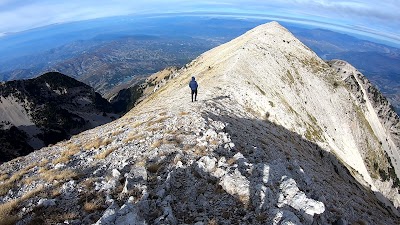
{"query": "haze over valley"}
[(123, 50)]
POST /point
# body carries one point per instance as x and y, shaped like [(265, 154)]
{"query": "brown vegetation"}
[(71, 149), (8, 210), (159, 120), (97, 143), (92, 206), (3, 177), (200, 150), (133, 136), (105, 153), (6, 217), (59, 175), (8, 184)]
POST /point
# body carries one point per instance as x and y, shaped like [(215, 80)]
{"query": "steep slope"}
[(45, 110), (379, 113), (275, 138), (127, 98)]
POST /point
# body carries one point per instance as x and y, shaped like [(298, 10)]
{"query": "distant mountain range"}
[(106, 53), (47, 109), (104, 63)]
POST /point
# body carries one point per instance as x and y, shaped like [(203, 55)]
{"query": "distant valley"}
[(121, 52), (106, 64)]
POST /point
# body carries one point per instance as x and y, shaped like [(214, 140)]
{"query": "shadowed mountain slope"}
[(47, 109), (277, 137)]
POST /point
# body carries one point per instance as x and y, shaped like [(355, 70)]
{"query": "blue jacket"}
[(193, 84)]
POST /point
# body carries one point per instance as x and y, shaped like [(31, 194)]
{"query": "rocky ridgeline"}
[(250, 151)]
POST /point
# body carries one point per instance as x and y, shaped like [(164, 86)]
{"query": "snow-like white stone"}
[(47, 202), (207, 164), (291, 195), (285, 217), (109, 216), (116, 173), (236, 184)]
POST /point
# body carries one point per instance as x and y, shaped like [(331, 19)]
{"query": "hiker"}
[(193, 86)]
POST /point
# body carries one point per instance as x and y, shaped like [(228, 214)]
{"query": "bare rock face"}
[(379, 113), (45, 110), (276, 137)]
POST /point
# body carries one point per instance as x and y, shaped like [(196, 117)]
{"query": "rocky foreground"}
[(275, 138)]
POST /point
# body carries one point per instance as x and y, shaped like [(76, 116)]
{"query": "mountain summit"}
[(277, 136)]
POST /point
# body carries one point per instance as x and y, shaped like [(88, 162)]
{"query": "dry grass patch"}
[(213, 221), (90, 206), (97, 143), (42, 169), (43, 162), (3, 177), (132, 137), (159, 120), (172, 140), (200, 150), (56, 192), (30, 180), (35, 192), (140, 163), (231, 161), (8, 209), (94, 204), (63, 159), (157, 144), (25, 169), (172, 132), (8, 184), (6, 215), (183, 113), (88, 183), (214, 142), (60, 175), (137, 124), (105, 153), (117, 132), (69, 216), (71, 149)]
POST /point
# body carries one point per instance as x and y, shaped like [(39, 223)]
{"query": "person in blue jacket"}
[(193, 86)]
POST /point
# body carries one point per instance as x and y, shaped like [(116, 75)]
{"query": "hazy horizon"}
[(354, 17)]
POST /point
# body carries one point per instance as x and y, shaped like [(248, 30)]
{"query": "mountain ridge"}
[(274, 138)]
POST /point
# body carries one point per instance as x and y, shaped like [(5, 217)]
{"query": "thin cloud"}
[(381, 17)]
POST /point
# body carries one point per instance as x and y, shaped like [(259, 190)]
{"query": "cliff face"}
[(276, 137), (47, 109)]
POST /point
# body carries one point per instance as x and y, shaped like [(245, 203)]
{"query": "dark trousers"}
[(194, 92)]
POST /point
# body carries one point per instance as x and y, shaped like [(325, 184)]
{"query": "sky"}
[(379, 19)]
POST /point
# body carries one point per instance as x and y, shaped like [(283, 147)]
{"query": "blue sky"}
[(372, 18)]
